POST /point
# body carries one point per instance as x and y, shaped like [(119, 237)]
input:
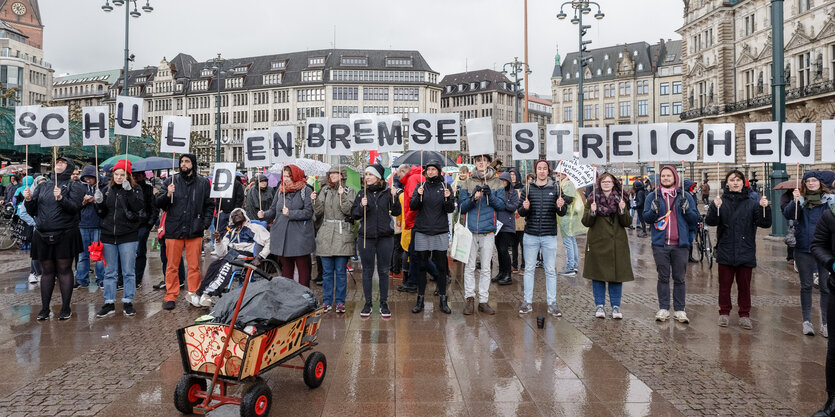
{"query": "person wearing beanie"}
[(56, 205), (738, 217), (335, 237), (89, 228), (507, 235), (260, 196), (811, 200), (188, 209), (374, 206), (120, 210), (479, 206), (671, 212)]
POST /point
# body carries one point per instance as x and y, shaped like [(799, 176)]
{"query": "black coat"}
[(150, 214), (432, 208), (120, 214), (541, 217), (823, 243), (377, 215), (737, 222), (237, 200), (191, 212), (53, 215)]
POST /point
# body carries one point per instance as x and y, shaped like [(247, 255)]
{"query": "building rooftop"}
[(605, 61), (475, 82), (108, 77)]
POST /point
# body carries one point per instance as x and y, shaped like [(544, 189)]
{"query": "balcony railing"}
[(761, 101)]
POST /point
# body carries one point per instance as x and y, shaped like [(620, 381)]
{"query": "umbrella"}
[(14, 168), (414, 158), (154, 163), (788, 185), (116, 158), (309, 166)]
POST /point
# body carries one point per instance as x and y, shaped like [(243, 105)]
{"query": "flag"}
[(372, 157), (458, 160)]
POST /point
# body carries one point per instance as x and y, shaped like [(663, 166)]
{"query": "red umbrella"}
[(788, 185)]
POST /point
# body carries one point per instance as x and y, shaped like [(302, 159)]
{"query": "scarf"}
[(484, 176), (606, 205), (812, 198), (298, 180)]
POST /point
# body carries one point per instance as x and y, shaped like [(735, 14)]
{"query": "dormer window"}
[(448, 89), (473, 86), (575, 61), (280, 65), (179, 87), (635, 53), (567, 76), (272, 79), (640, 67), (235, 82), (484, 84), (354, 61), (599, 72), (620, 55), (605, 57), (240, 70), (399, 62), (609, 70), (141, 80), (207, 72), (200, 85), (316, 61)]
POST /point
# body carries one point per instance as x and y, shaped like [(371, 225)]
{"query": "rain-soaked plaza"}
[(432, 364)]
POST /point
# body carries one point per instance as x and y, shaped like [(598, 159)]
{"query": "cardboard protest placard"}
[(128, 119), (55, 126), (592, 146), (95, 125), (799, 143), (580, 174), (653, 143), (684, 141), (719, 143), (827, 141), (223, 180), (761, 142), (256, 149), (27, 129), (559, 142), (364, 128), (282, 146), (524, 141), (176, 134), (623, 143), (480, 136)]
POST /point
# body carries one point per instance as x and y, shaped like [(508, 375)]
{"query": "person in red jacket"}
[(410, 182)]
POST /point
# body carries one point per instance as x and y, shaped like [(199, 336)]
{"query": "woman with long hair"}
[(56, 241)]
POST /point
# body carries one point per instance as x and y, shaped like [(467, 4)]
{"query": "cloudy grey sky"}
[(452, 35)]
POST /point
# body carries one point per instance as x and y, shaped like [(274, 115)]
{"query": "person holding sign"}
[(811, 200), (89, 228), (56, 240), (672, 213), (432, 201), (823, 248), (188, 209), (738, 216), (292, 237), (120, 210), (259, 196), (607, 262), (334, 239), (479, 207), (542, 202), (507, 234), (374, 205)]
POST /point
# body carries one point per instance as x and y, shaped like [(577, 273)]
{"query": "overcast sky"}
[(452, 35)]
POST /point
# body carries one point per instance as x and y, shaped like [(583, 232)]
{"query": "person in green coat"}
[(607, 261), (335, 239)]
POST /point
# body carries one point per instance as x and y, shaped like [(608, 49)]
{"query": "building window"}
[(642, 87), (609, 110), (308, 76), (346, 93), (625, 109), (355, 61), (625, 88), (587, 112), (804, 5), (375, 94), (411, 94), (609, 90), (665, 109), (566, 114), (316, 61), (701, 88), (200, 85), (749, 83), (676, 87), (750, 24), (280, 65), (311, 94), (566, 94), (664, 89), (272, 79), (398, 62), (804, 69), (677, 107), (643, 107), (235, 82)]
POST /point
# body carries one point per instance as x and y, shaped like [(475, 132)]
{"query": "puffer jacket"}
[(482, 214), (807, 219), (737, 222), (334, 237), (191, 212), (508, 215), (52, 215), (377, 220), (541, 217), (410, 181), (432, 209), (685, 220), (120, 214)]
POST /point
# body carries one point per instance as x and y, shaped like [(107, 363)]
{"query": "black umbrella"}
[(154, 163), (414, 158)]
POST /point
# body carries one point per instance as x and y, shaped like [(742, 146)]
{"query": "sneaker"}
[(616, 314), (107, 310), (575, 270), (554, 310), (600, 312), (194, 299), (681, 317), (525, 308), (159, 286), (327, 308), (44, 314), (65, 314), (340, 308), (567, 272), (34, 279), (807, 328), (366, 310), (205, 300), (745, 323), (384, 310), (168, 305), (128, 309), (824, 331), (723, 320), (662, 315), (120, 286)]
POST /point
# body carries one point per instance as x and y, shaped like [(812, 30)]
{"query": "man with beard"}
[(188, 214)]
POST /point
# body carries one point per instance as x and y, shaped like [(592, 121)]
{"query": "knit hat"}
[(376, 170), (122, 164)]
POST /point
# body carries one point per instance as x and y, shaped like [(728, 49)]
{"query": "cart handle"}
[(254, 269)]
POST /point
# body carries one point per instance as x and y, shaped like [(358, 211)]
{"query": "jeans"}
[(571, 252), (742, 275), (377, 252), (482, 247), (670, 260), (82, 273), (334, 275), (142, 252), (123, 254), (806, 266), (548, 245), (503, 242), (598, 288)]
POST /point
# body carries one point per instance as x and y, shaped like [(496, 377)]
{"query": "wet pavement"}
[(432, 364)]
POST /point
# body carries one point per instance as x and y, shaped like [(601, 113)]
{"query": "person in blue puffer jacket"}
[(811, 200), (507, 234)]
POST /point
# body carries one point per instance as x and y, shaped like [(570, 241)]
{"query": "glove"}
[(126, 185), (485, 190), (685, 205), (654, 206), (477, 189), (98, 196)]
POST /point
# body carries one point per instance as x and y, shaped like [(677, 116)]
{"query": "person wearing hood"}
[(226, 205), (811, 200), (188, 209), (542, 201), (260, 196), (374, 206), (120, 210), (570, 226), (147, 219), (672, 213), (334, 239), (507, 234), (607, 261), (410, 180), (56, 206), (479, 206), (640, 197), (292, 237), (89, 228), (737, 216)]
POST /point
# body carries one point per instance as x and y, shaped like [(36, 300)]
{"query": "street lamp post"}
[(778, 109), (516, 67), (218, 67), (580, 7), (128, 57)]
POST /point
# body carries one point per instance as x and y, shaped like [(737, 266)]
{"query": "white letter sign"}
[(176, 134), (524, 142)]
